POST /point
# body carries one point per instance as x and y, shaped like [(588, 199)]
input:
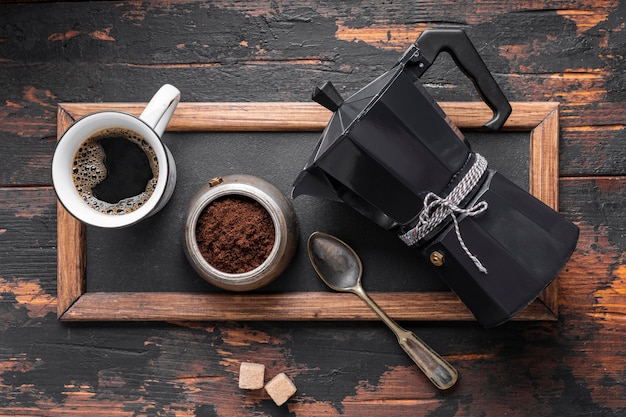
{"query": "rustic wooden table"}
[(564, 52)]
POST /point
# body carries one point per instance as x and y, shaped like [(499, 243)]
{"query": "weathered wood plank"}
[(28, 234), (27, 255), (591, 144), (590, 305), (319, 43)]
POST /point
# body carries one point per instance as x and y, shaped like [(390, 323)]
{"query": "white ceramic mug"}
[(149, 126)]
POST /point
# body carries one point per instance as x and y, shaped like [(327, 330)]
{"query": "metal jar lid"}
[(285, 226)]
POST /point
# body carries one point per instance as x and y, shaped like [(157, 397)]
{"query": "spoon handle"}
[(437, 369)]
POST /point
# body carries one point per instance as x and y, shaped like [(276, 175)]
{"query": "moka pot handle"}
[(456, 43)]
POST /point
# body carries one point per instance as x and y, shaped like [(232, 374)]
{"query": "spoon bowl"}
[(338, 265)]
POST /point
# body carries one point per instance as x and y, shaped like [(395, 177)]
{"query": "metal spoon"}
[(340, 268)]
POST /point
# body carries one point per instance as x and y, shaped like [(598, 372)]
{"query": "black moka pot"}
[(390, 152)]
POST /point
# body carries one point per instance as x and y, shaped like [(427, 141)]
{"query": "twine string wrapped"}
[(436, 209)]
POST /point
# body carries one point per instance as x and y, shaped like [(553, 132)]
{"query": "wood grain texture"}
[(294, 306), (305, 116), (71, 249), (566, 52), (71, 259), (544, 179)]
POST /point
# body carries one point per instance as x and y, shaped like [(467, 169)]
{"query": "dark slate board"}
[(149, 256)]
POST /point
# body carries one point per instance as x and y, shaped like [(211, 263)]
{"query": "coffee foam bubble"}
[(89, 169)]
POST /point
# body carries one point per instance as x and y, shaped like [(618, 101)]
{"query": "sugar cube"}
[(280, 388), (251, 375)]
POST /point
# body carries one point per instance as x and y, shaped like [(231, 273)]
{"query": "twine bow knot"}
[(442, 208), (436, 209)]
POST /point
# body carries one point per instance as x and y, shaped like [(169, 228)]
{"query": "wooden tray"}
[(77, 304)]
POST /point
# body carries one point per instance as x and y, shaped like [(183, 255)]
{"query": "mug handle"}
[(159, 110)]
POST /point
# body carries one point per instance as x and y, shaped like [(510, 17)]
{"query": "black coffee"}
[(115, 171), (128, 170)]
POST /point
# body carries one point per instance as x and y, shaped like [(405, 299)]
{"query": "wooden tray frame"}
[(75, 304)]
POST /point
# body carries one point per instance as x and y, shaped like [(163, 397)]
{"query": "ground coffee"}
[(235, 234)]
